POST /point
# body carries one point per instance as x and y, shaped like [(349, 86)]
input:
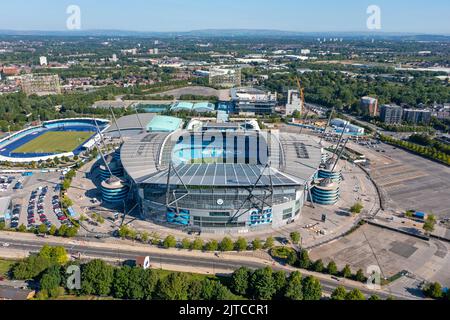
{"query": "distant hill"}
[(261, 33)]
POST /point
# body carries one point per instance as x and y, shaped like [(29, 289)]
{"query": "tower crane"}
[(302, 95)]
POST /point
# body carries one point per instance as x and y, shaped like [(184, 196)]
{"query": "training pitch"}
[(55, 142)]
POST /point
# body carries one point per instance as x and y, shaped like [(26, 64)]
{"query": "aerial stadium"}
[(218, 180), (56, 138)]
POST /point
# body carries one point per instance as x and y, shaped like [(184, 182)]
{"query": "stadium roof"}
[(131, 122), (203, 107), (164, 124), (181, 105), (144, 159), (222, 175)]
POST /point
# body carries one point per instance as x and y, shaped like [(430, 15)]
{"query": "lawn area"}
[(5, 265), (55, 142)]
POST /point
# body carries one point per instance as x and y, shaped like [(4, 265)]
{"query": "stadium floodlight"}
[(115, 121), (327, 125)]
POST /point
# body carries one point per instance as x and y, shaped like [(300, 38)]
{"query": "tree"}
[(226, 244), (332, 268), (355, 294), (294, 290), (356, 208), (173, 287), (197, 244), (71, 232), (256, 244), (22, 228), (262, 284), (269, 243), (51, 280), (170, 242), (52, 230), (303, 259), (135, 288), (346, 271), (145, 237), (339, 293), (292, 258), (429, 224), (120, 282), (30, 267), (96, 278), (318, 266), (2, 225), (280, 281), (149, 281), (42, 228), (185, 243), (56, 255), (124, 231), (295, 237), (433, 290), (374, 297), (240, 244), (62, 230), (312, 289), (195, 290), (212, 245), (360, 276), (240, 281)]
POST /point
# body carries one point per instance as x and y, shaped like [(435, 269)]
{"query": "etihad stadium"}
[(220, 178)]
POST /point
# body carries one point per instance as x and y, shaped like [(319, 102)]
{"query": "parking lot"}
[(391, 251), (410, 181), (35, 199)]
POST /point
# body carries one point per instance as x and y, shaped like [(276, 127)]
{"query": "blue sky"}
[(418, 16)]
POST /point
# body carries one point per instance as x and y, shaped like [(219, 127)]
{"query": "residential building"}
[(370, 106), (417, 116), (391, 114)]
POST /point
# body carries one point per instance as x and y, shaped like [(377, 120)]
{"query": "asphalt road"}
[(173, 259)]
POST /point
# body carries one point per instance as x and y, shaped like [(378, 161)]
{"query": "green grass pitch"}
[(55, 142)]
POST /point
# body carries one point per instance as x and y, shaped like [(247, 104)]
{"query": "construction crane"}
[(302, 95)]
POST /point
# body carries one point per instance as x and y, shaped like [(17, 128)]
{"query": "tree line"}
[(429, 152)]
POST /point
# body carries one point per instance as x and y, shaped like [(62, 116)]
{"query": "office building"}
[(249, 100), (225, 77), (43, 61)]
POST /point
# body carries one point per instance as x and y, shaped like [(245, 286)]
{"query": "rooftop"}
[(164, 124), (146, 158)]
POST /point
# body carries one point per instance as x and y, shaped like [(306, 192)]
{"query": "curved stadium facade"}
[(219, 181)]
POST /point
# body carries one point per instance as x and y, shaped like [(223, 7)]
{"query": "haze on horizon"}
[(400, 16)]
